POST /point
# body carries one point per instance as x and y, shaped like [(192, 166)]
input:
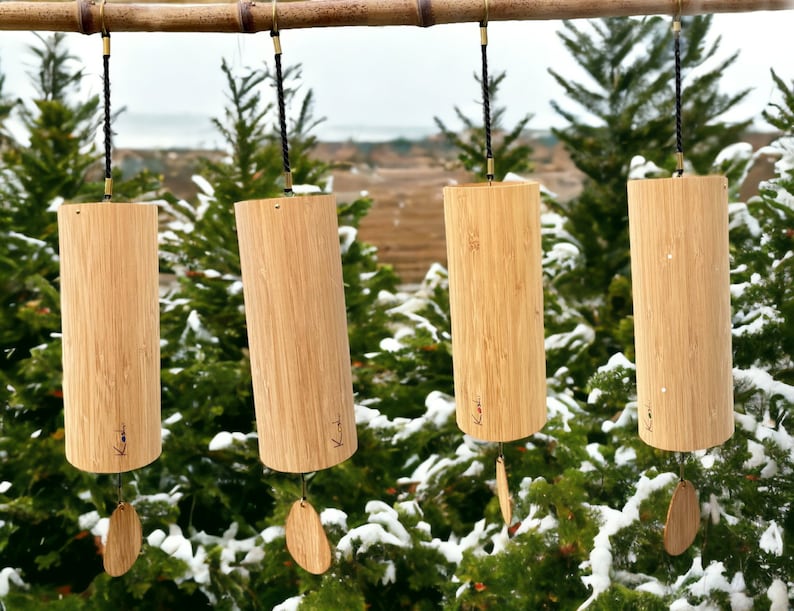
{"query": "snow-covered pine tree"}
[(43, 541), (510, 153), (224, 514), (738, 560), (412, 516), (625, 108)]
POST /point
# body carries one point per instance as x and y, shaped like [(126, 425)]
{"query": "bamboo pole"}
[(245, 16)]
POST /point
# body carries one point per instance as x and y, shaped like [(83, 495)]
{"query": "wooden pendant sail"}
[(297, 331), (111, 335), (496, 306), (682, 311)]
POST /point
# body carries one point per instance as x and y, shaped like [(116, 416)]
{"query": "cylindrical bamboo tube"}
[(111, 335), (682, 311), (496, 305), (297, 331)]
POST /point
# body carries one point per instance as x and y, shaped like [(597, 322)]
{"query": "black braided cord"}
[(282, 118), (486, 108), (106, 126), (679, 144)]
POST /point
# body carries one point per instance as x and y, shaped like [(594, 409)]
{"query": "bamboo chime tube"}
[(682, 311), (297, 331), (496, 306), (234, 17), (111, 335)]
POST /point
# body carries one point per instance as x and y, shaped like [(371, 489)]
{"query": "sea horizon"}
[(134, 130)]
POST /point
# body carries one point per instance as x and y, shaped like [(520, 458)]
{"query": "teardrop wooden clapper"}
[(123, 541), (110, 320), (496, 304), (502, 490), (297, 335), (683, 519), (682, 312), (306, 539)]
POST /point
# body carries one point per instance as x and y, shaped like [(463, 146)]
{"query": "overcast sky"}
[(396, 77)]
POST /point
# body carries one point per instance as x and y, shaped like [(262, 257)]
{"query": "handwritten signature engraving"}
[(478, 417), (121, 449), (647, 419), (337, 442)]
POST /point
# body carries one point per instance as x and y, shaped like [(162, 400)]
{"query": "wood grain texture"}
[(683, 519), (307, 542), (83, 16), (496, 307), (503, 491), (124, 540), (682, 311), (297, 331), (111, 335)]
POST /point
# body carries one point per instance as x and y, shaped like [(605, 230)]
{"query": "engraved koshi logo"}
[(478, 415), (647, 418), (337, 438), (120, 444)]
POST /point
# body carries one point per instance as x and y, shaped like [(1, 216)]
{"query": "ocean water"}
[(194, 131)]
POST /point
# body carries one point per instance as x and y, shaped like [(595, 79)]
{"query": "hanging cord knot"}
[(106, 91), (679, 146), (486, 97), (282, 113)]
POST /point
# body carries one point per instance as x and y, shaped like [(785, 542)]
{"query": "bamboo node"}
[(244, 17), (424, 13), (83, 15)]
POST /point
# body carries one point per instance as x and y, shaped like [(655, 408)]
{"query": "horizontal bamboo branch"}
[(244, 16)]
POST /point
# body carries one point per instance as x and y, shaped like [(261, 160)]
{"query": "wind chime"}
[(496, 304), (297, 335), (111, 341), (682, 318)]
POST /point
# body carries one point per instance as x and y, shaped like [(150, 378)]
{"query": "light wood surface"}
[(503, 491), (683, 519), (123, 544), (682, 311), (496, 306), (297, 331), (111, 335), (232, 17), (307, 542)]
